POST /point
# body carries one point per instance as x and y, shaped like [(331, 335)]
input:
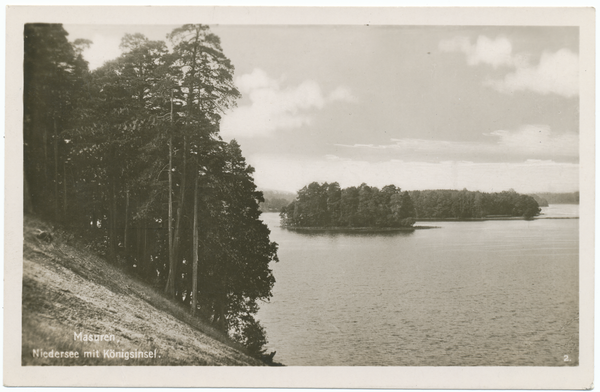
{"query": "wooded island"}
[(327, 205)]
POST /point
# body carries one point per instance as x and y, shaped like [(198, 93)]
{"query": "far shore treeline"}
[(446, 204), (327, 205), (129, 159), (545, 198)]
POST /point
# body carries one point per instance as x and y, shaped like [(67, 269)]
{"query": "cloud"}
[(291, 173), (487, 51), (274, 107), (527, 141), (342, 94), (334, 158), (256, 80), (538, 140), (556, 73)]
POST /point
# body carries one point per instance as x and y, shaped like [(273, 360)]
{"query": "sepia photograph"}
[(352, 199)]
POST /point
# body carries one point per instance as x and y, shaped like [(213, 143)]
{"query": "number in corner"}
[(566, 358)]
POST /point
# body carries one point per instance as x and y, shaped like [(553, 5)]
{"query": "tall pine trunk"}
[(126, 219), (112, 224), (55, 172), (178, 218), (180, 206), (145, 248), (46, 163), (64, 190), (170, 286), (138, 246), (195, 251)]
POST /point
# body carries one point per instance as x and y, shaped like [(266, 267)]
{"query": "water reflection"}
[(368, 233)]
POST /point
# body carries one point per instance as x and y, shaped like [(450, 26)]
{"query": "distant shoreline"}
[(395, 229), (360, 229), (506, 218)]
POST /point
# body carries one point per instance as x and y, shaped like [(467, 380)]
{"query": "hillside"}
[(68, 290), (559, 198), (275, 200)]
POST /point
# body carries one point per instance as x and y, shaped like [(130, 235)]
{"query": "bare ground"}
[(68, 289)]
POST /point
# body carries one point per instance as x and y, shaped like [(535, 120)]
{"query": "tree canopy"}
[(446, 204), (327, 205), (129, 157)]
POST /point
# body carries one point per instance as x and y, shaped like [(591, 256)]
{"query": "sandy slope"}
[(68, 290)]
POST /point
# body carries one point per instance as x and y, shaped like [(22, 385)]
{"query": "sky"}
[(421, 107)]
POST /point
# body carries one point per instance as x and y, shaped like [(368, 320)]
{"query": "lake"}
[(488, 293)]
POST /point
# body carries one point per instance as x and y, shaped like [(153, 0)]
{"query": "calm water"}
[(469, 293)]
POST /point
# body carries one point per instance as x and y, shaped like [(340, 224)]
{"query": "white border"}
[(306, 377)]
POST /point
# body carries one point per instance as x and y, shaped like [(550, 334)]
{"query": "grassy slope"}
[(69, 289)]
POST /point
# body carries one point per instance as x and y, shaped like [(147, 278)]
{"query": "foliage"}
[(252, 335), (98, 148), (540, 200), (445, 204), (54, 83), (327, 205)]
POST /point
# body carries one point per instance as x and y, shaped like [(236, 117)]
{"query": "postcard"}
[(300, 197)]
